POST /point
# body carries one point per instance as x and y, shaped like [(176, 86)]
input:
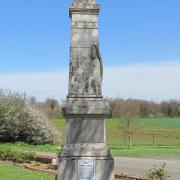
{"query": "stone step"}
[(46, 157)]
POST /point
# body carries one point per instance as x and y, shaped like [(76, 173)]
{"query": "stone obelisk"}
[(85, 155)]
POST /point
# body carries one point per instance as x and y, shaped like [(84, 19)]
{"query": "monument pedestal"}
[(85, 141), (70, 170), (86, 161)]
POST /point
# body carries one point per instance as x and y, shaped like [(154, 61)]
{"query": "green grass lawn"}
[(10, 172), (146, 151), (149, 131), (145, 123), (59, 124), (154, 137), (161, 122), (20, 146)]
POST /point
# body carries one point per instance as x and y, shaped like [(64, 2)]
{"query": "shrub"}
[(16, 156), (20, 122), (158, 173)]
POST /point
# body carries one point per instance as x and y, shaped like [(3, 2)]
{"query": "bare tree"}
[(129, 111)]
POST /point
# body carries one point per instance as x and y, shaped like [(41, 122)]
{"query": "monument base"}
[(69, 169), (85, 161)]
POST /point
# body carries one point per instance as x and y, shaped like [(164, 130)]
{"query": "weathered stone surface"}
[(68, 169), (86, 1), (81, 130), (93, 106), (85, 108), (45, 157), (86, 71), (84, 7), (86, 150)]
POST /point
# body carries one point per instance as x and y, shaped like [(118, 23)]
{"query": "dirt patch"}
[(126, 177)]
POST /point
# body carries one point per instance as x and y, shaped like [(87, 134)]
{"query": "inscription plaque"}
[(86, 170)]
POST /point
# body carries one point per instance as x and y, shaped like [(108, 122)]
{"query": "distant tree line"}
[(50, 107), (145, 109)]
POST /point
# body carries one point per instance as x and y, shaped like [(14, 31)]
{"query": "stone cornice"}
[(84, 9), (86, 106), (86, 150)]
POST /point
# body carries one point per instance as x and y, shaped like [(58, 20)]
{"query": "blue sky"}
[(35, 34)]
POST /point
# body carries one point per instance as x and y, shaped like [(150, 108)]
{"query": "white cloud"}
[(158, 81), (41, 85)]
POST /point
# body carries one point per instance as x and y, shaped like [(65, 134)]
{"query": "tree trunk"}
[(153, 139), (129, 139)]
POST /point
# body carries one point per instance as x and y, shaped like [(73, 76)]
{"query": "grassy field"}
[(9, 172), (149, 131), (146, 151), (161, 122), (20, 146), (153, 137)]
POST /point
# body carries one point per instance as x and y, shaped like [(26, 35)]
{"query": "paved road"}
[(140, 166), (137, 166)]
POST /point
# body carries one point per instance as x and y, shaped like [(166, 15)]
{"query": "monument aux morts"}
[(85, 155)]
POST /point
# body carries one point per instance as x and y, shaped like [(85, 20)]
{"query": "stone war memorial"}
[(85, 155)]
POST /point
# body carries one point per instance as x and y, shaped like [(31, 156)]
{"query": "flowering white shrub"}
[(20, 122)]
